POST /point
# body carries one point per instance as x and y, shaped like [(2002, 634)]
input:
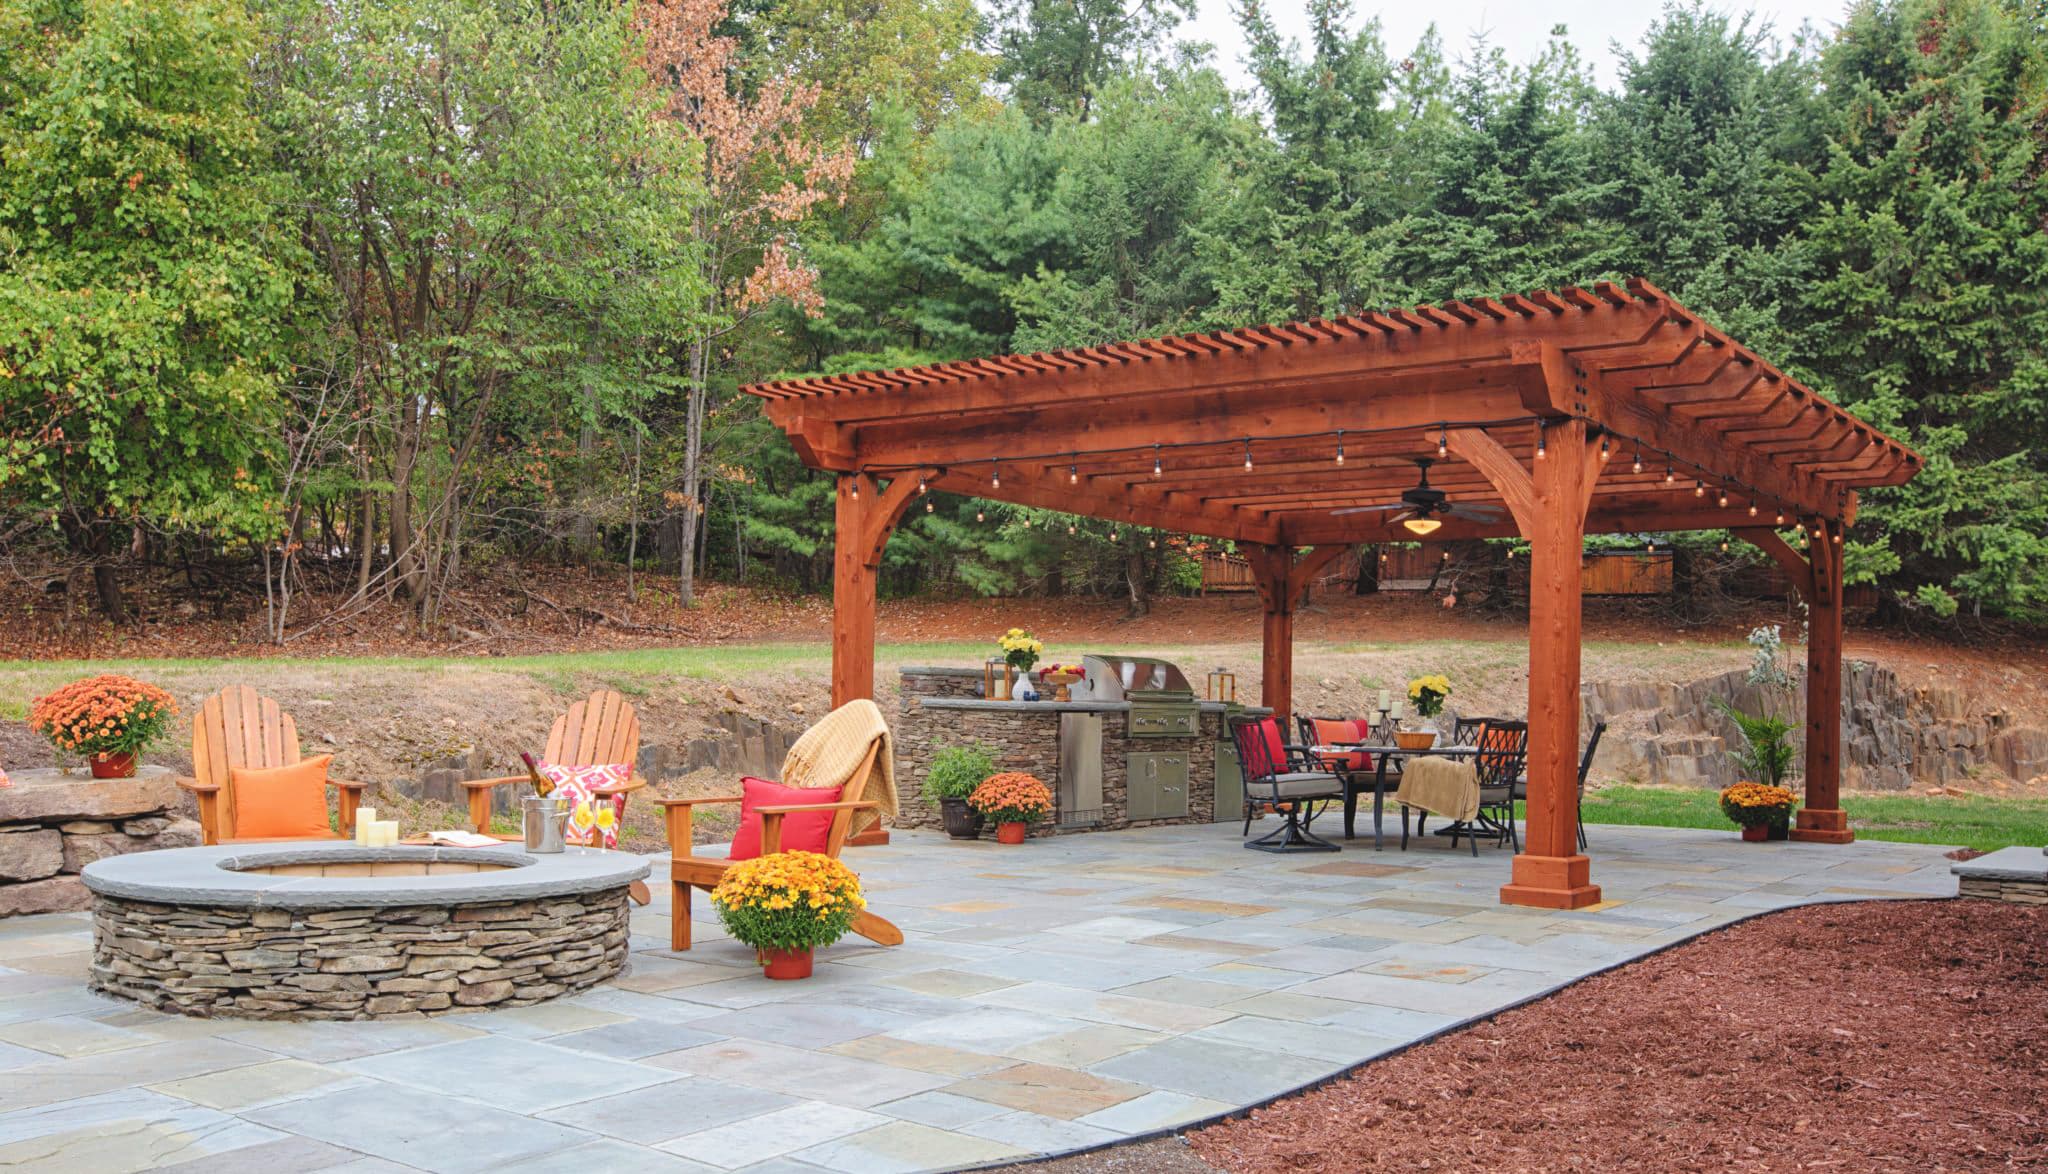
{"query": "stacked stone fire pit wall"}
[(54, 823), (363, 963)]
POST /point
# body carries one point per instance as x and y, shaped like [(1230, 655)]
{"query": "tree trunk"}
[(633, 527), (1368, 581), (1139, 581), (693, 473)]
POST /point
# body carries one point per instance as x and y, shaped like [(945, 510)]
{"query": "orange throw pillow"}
[(282, 803)]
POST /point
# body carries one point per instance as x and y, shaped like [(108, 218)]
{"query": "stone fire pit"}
[(333, 931)]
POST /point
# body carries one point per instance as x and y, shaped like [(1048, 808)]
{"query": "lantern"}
[(1222, 685)]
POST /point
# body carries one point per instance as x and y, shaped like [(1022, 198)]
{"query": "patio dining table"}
[(1382, 753)]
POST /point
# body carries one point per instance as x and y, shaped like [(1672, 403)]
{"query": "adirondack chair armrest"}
[(792, 809), (196, 787), (686, 803), (208, 797), (676, 815), (487, 784), (626, 788)]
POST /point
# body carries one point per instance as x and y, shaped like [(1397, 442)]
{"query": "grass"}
[(1974, 821)]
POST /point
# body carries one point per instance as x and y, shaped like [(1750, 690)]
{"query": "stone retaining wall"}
[(268, 963), (2019, 892), (53, 824)]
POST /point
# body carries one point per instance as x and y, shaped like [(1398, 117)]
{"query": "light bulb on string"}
[(995, 474), (1340, 446), (1724, 546), (1699, 488), (854, 481), (1603, 449), (1247, 454), (1157, 468), (1152, 544), (928, 506), (1722, 501), (1752, 509), (1443, 443), (980, 515), (921, 487), (1638, 466), (1073, 472), (1542, 440), (1781, 515), (1070, 527), (1670, 475)]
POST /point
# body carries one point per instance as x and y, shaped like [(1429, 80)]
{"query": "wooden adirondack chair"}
[(238, 728), (688, 871), (597, 730)]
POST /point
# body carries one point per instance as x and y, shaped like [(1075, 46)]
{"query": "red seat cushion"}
[(1330, 732), (805, 831)]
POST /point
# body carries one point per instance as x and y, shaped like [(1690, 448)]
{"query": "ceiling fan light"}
[(1421, 526)]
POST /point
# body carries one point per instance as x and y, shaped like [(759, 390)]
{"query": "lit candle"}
[(365, 816)]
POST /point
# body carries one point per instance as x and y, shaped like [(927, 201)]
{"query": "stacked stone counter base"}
[(53, 823), (360, 963), (2016, 874)]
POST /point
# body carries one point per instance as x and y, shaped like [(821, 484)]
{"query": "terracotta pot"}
[(786, 964), (1756, 833), (113, 766), (962, 822), (1010, 833)]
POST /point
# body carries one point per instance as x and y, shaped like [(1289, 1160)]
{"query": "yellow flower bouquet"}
[(1021, 649), (788, 901), (1428, 694)]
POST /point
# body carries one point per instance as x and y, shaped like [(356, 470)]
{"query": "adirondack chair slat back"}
[(238, 728), (600, 729)]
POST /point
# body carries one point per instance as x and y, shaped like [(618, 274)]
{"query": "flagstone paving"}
[(1049, 997)]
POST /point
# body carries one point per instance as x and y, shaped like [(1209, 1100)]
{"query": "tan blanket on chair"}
[(828, 754), (1440, 787)]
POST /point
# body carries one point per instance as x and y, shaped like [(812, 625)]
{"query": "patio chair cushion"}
[(578, 785), (1299, 784), (805, 831), (283, 802), (1328, 732)]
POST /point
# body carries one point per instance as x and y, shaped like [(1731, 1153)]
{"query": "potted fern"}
[(955, 772)]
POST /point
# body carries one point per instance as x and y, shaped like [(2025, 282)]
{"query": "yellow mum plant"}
[(1751, 804), (788, 900)]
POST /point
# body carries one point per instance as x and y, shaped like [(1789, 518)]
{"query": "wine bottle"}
[(543, 786)]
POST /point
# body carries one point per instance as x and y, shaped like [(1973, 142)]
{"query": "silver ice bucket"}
[(545, 819)]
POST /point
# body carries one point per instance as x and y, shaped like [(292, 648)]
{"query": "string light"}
[(980, 515), (1838, 538), (1340, 446), (1542, 440), (1699, 488), (920, 487), (1070, 527), (1073, 472), (1752, 508), (1152, 544), (995, 474), (1603, 449), (855, 482), (1511, 554), (1781, 515), (1443, 443), (1669, 474), (1638, 466), (1724, 546), (1447, 556), (1157, 468), (928, 506), (1722, 501), (1650, 547), (1247, 454)]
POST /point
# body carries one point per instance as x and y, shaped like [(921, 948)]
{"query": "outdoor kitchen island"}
[(1135, 747)]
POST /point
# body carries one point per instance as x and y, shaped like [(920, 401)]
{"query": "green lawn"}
[(1975, 821)]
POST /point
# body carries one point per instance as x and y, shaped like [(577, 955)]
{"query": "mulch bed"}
[(1880, 1036)]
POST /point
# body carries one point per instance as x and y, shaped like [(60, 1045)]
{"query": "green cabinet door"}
[(1158, 785), (1229, 785)]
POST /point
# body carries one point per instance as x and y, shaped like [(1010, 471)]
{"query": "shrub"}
[(957, 770)]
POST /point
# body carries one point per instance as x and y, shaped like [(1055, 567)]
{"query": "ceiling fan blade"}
[(1369, 509), (1477, 513)]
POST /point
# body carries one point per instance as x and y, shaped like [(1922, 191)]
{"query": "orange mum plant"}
[(1012, 797), (103, 715), (788, 900)]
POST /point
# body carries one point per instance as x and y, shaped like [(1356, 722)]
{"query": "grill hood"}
[(1113, 677)]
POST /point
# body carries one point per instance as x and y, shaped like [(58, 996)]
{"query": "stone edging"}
[(206, 876)]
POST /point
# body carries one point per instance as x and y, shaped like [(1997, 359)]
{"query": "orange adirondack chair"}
[(689, 871), (597, 730), (238, 728)]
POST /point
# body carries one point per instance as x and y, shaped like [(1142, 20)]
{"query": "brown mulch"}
[(1883, 1036)]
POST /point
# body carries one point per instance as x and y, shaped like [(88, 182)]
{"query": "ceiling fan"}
[(1422, 509)]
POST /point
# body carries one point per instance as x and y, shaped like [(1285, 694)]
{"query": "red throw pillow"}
[(1276, 746), (805, 831)]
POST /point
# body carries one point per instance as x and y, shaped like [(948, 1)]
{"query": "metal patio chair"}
[(1281, 775)]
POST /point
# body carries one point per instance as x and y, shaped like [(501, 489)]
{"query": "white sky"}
[(1518, 28)]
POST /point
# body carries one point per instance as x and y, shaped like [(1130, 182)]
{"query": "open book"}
[(461, 839)]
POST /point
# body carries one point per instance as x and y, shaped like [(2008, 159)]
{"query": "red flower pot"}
[(1010, 833), (113, 766), (1756, 833), (786, 963)]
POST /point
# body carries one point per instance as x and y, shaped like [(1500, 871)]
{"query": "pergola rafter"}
[(1539, 404)]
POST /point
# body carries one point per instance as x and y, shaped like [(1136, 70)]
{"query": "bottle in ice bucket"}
[(543, 786)]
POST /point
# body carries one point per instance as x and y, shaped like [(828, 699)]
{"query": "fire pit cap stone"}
[(226, 876)]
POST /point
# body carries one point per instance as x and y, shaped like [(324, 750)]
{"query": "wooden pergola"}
[(1604, 410)]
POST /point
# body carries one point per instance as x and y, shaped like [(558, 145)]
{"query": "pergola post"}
[(1549, 505), (1818, 579), (864, 516), (1281, 581)]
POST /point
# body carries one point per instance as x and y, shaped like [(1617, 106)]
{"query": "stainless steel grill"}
[(1161, 700)]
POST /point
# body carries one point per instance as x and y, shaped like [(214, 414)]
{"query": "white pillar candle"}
[(365, 816), (1395, 712), (387, 833), (1383, 700)]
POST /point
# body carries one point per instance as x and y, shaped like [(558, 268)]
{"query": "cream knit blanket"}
[(829, 753), (1440, 786)]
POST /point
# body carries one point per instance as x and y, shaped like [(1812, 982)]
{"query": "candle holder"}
[(1222, 685), (997, 679)]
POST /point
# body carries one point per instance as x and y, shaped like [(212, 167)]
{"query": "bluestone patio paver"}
[(1049, 996)]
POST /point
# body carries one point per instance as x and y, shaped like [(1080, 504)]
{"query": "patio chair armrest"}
[(348, 785), (487, 784), (793, 809), (626, 788), (688, 803), (193, 785)]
